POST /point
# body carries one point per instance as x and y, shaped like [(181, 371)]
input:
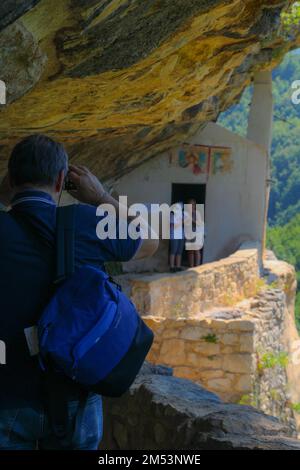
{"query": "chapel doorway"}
[(182, 192)]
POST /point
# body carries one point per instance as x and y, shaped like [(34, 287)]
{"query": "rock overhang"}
[(119, 82)]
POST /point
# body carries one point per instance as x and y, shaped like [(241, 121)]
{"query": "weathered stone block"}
[(241, 325), (193, 360), (207, 349), (247, 343), (212, 374), (211, 362), (230, 349), (193, 333), (242, 363), (244, 384), (221, 384), (187, 373), (229, 339), (173, 352)]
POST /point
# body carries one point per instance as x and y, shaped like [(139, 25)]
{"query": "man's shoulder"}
[(85, 219), (81, 210)]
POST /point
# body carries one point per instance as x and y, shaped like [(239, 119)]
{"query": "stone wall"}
[(238, 353), (165, 412), (270, 385), (192, 291), (215, 352), (236, 338), (283, 275)]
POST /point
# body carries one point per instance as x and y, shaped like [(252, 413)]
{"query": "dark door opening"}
[(184, 192)]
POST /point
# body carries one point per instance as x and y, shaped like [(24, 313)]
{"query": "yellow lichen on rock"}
[(123, 81)]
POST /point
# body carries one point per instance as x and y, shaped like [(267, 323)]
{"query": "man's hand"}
[(89, 190), (6, 191)]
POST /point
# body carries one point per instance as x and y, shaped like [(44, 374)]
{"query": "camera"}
[(69, 185)]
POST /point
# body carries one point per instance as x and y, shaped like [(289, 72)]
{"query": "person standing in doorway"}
[(194, 235), (176, 237)]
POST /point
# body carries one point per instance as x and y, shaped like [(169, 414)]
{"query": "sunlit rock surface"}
[(164, 412), (119, 81)]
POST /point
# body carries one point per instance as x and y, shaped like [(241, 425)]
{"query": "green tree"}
[(285, 155), (291, 20), (284, 212), (285, 242)]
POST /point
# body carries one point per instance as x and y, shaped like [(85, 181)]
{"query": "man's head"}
[(38, 162)]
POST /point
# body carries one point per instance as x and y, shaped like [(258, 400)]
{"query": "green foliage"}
[(285, 242), (211, 338), (270, 360), (236, 118), (274, 394), (297, 309), (296, 407), (290, 20), (247, 400)]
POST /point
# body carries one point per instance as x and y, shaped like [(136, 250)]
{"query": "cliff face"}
[(119, 81)]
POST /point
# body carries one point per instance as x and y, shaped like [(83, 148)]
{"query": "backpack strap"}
[(56, 402), (65, 242)]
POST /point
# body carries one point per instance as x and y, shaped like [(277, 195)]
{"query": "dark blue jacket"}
[(27, 271)]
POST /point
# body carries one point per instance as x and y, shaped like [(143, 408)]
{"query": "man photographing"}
[(37, 170)]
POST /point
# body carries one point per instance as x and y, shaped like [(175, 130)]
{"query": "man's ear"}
[(60, 181)]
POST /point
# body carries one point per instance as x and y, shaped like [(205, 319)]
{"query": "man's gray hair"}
[(37, 160)]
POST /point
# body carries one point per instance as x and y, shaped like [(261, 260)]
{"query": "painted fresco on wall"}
[(194, 157), (203, 159), (221, 161)]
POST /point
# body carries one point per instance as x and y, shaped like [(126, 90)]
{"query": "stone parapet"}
[(190, 292)]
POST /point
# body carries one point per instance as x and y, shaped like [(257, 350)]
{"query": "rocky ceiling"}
[(120, 80)]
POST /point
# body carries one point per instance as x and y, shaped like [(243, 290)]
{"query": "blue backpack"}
[(90, 331)]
